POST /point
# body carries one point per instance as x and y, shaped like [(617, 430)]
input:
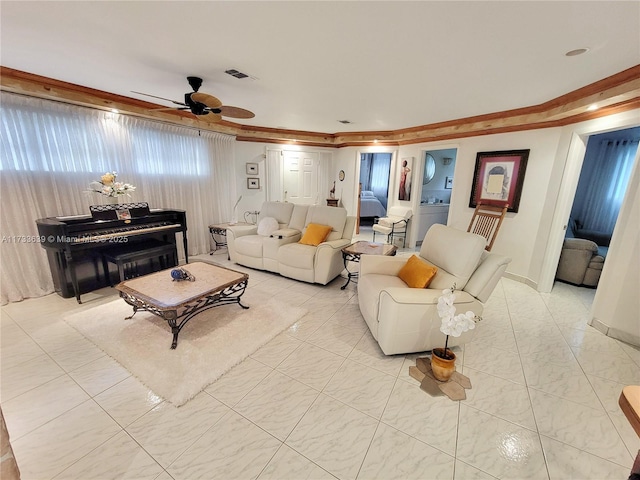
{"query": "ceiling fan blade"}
[(161, 98), (235, 112), (169, 108), (206, 99), (211, 117)]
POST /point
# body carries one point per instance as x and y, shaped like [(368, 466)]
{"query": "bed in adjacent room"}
[(370, 206)]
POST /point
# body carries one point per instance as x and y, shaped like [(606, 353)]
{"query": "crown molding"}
[(614, 94)]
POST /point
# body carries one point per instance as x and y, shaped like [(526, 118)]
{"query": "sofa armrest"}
[(487, 275), (426, 296), (579, 244), (237, 231), (335, 244), (285, 233)]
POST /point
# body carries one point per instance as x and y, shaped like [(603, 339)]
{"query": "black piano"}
[(74, 243)]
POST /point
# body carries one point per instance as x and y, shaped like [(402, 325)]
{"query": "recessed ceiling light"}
[(114, 110), (375, 141), (592, 108), (577, 51)]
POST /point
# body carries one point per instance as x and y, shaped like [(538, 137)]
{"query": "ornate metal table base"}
[(352, 253), (178, 318), (221, 232), (350, 257)]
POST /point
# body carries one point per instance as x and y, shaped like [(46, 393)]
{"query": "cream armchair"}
[(405, 320)]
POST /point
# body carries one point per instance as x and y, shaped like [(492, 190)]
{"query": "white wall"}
[(616, 305), (525, 236), (255, 152), (250, 152)]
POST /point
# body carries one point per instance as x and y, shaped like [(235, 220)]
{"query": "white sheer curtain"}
[(51, 151), (603, 184)]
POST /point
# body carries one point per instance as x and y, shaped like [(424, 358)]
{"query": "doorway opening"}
[(602, 186), (374, 186)]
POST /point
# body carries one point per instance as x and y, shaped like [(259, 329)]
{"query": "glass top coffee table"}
[(351, 253), (179, 301)]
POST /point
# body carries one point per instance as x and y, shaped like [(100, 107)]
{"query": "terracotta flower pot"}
[(443, 365)]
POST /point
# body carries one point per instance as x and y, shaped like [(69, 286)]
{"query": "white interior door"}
[(300, 177)]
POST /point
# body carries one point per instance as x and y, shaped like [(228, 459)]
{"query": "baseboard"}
[(520, 279), (625, 337)]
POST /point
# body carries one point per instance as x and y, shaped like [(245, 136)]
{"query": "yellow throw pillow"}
[(315, 234), (416, 273)]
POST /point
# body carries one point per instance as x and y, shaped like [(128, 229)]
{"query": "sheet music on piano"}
[(114, 212)]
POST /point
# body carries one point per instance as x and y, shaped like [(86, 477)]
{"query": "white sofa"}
[(406, 320), (280, 252)]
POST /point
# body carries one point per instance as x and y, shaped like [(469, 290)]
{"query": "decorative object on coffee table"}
[(442, 359), (179, 274)]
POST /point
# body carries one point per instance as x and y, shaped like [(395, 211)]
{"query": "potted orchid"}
[(442, 359), (109, 187)]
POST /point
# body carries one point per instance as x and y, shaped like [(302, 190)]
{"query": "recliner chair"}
[(406, 320), (580, 262)]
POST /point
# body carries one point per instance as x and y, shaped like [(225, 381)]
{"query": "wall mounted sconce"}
[(446, 160)]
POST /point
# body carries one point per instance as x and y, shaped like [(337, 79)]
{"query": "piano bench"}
[(126, 258)]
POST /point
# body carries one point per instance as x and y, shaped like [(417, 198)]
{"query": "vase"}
[(443, 365), (113, 200)]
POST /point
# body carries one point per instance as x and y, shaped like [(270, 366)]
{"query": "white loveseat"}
[(405, 320), (280, 252)]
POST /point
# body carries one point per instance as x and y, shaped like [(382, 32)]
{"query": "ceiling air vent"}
[(235, 73), (345, 122)]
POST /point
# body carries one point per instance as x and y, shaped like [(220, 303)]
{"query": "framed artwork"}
[(498, 178), (252, 169), (448, 183), (404, 188), (253, 183)]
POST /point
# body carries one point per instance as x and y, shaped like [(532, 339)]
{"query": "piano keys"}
[(73, 243)]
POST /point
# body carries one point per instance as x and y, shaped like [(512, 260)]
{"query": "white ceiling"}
[(382, 65)]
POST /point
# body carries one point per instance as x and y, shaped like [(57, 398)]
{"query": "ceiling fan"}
[(203, 104)]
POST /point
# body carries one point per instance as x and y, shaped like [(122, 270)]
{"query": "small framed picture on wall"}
[(404, 187), (253, 183), (252, 169), (448, 183)]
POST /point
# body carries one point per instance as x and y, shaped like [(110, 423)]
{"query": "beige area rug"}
[(208, 346)]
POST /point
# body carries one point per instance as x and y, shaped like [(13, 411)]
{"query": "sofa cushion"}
[(281, 211), (315, 234), (298, 217), (267, 226), (335, 217), (297, 255), (417, 273), (250, 245), (455, 252)]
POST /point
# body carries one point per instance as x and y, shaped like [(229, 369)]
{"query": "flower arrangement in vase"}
[(108, 186), (442, 359)]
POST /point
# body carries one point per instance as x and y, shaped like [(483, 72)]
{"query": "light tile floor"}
[(321, 401)]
